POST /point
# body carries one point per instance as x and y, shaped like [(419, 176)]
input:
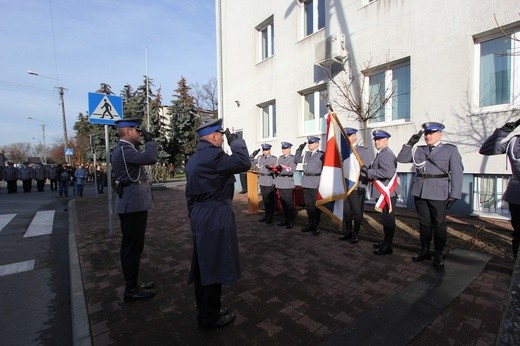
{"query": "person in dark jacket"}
[(134, 199), (496, 145), (11, 176), (209, 193)]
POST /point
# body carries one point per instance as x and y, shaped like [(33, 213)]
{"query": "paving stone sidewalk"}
[(296, 289)]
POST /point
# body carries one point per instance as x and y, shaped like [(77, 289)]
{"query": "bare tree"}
[(350, 93), (205, 95), (18, 152)]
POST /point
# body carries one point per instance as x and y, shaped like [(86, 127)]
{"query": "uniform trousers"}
[(133, 227), (11, 186), (269, 198), (54, 185), (514, 209), (207, 296), (286, 197), (432, 221), (27, 185), (40, 185), (388, 221), (313, 213), (353, 209)]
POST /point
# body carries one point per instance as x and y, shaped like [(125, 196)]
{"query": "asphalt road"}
[(34, 268)]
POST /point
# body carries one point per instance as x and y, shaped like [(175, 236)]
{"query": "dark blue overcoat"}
[(209, 192)]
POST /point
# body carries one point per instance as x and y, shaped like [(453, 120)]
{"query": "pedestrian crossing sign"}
[(104, 109), (69, 152)]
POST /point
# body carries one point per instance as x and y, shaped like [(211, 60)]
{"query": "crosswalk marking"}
[(17, 267), (41, 224), (5, 219)]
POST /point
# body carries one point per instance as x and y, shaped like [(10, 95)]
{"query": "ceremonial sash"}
[(386, 192)]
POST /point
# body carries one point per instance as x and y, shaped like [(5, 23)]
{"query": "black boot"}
[(438, 262), (346, 236), (385, 249), (263, 219), (355, 237), (423, 254)]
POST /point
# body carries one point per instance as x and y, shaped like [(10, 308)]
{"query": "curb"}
[(78, 307)]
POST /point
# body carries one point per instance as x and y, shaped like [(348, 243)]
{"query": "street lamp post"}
[(44, 154), (61, 91)]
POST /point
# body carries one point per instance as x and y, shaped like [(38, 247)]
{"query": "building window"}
[(389, 93), (487, 194), (314, 15), (268, 120), (496, 71), (314, 110), (266, 38)]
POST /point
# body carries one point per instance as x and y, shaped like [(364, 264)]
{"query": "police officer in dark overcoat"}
[(209, 193), (312, 165), (11, 177), (383, 170), (355, 202), (266, 181), (495, 145), (285, 184), (436, 186), (134, 199)]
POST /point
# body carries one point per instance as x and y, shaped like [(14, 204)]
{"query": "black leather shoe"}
[(316, 231), (223, 311), (385, 249), (345, 236), (269, 220), (289, 225), (438, 262), (263, 219), (378, 245), (222, 321), (422, 255), (354, 239), (138, 294), (146, 285), (307, 229), (283, 223)]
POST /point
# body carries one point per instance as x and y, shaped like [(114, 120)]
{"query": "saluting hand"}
[(255, 152), (415, 138), (302, 146)]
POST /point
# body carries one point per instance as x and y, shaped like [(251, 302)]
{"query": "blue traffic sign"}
[(69, 151), (104, 109)]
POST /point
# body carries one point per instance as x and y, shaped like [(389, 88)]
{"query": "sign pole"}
[(109, 179)]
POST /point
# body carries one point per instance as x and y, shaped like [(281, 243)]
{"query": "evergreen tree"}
[(183, 123)]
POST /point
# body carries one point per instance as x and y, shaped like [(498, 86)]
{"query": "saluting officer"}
[(312, 166), (495, 145), (436, 186), (285, 184), (382, 174), (355, 202), (134, 198), (266, 181), (209, 191)]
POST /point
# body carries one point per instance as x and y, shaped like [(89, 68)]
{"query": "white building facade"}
[(455, 62)]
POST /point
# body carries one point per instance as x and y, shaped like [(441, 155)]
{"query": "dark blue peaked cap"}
[(350, 130), (312, 139), (378, 134), (128, 122), (432, 127), (266, 146), (286, 145), (210, 127)]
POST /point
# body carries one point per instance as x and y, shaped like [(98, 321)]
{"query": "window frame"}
[(267, 108), (514, 73), (317, 6), (319, 121), (265, 35), (499, 207), (388, 110)]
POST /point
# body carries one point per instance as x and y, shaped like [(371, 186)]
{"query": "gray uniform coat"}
[(209, 193), (312, 166), (494, 146), (25, 173), (127, 163), (285, 179), (424, 184), (383, 169), (265, 177), (11, 173)]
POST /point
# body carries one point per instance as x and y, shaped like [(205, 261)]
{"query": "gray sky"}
[(87, 42)]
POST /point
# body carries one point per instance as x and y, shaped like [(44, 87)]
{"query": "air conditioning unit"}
[(330, 50)]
